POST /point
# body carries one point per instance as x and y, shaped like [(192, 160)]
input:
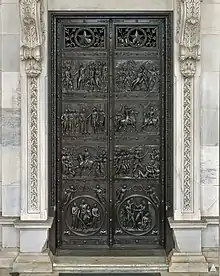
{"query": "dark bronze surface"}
[(110, 94)]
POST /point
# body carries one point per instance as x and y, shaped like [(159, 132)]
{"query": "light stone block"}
[(209, 200), (122, 5), (10, 237), (209, 92), (9, 1), (189, 263), (33, 240), (11, 91), (210, 57), (7, 257), (1, 52), (188, 240), (210, 236), (30, 263), (10, 18), (210, 22), (210, 165), (0, 236), (211, 1), (11, 200), (0, 198), (11, 53), (209, 126), (11, 163)]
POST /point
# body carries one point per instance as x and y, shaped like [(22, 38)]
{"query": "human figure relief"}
[(86, 217), (85, 163), (121, 193), (99, 192)]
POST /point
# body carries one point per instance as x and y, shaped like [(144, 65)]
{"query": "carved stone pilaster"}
[(188, 34), (31, 68)]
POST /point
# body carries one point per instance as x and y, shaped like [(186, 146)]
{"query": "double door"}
[(110, 84)]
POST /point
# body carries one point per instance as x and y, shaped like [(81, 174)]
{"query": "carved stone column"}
[(187, 224), (34, 222)]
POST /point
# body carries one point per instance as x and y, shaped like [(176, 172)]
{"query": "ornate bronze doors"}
[(110, 79)]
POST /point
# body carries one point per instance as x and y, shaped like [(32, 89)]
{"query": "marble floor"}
[(5, 272)]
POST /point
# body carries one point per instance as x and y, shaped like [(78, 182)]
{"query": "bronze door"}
[(110, 84)]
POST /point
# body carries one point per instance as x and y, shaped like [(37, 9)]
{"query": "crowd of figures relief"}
[(87, 215), (136, 75), (92, 120), (91, 76), (83, 120), (132, 163), (84, 75)]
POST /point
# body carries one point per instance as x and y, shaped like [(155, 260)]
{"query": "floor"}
[(5, 272)]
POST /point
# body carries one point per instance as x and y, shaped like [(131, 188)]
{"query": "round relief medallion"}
[(136, 215), (84, 215), (136, 37), (84, 37)]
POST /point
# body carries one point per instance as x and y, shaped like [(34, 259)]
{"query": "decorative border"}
[(188, 32), (31, 42)]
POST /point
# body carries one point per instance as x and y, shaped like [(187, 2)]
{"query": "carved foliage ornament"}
[(189, 53), (31, 42), (31, 36), (189, 35)]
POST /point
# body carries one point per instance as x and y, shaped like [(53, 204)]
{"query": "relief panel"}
[(84, 162), (82, 120), (81, 77), (84, 37), (136, 78), (136, 37)]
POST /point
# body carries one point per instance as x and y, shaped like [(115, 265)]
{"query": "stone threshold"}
[(108, 264)]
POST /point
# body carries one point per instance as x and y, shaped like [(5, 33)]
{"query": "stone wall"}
[(209, 93), (10, 118)]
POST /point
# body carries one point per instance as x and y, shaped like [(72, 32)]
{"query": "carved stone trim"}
[(31, 13), (188, 35)]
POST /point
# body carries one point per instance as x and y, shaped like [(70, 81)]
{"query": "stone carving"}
[(31, 43), (84, 76), (85, 120), (136, 76), (84, 37), (188, 33), (136, 37), (137, 163), (31, 35)]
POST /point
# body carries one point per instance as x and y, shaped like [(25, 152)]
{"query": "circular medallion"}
[(84, 215), (136, 215), (136, 37), (84, 37)]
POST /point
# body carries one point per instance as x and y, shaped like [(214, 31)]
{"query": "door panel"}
[(110, 83), (84, 137), (136, 146)]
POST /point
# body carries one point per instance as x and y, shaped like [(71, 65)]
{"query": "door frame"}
[(168, 131)]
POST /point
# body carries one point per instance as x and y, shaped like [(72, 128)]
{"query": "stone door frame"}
[(34, 119)]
